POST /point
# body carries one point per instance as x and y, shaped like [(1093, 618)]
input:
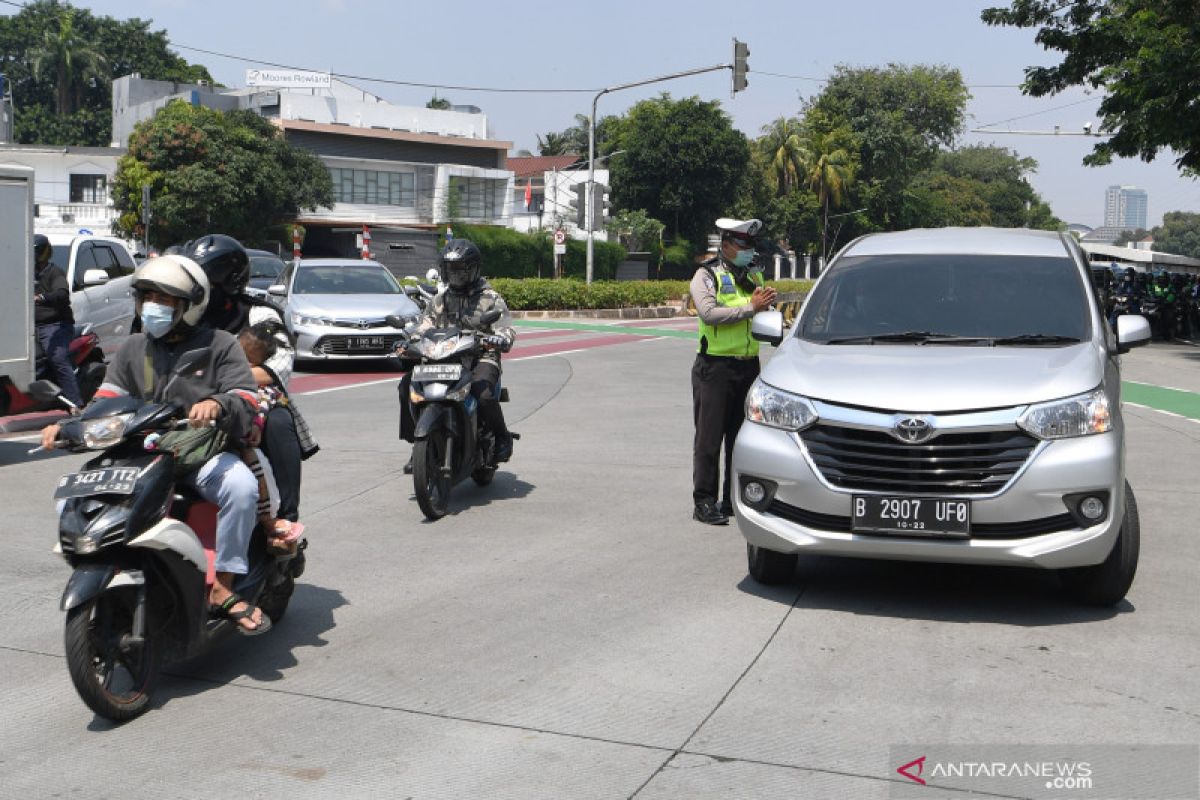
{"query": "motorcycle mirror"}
[(394, 321), (490, 317), (433, 276), (44, 391)]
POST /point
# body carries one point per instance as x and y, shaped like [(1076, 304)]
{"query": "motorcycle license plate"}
[(437, 372), (367, 342), (912, 516), (114, 480)]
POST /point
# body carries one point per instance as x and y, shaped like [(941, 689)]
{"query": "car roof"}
[(961, 241), (68, 238), (339, 262)]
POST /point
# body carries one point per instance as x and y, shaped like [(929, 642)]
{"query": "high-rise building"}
[(1125, 208)]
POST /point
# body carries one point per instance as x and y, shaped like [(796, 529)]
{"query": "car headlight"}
[(774, 408), (1081, 415), (304, 319), (104, 431)]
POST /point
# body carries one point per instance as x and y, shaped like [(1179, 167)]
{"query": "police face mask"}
[(157, 319), (743, 258)]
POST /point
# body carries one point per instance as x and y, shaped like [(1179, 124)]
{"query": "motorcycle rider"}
[(467, 297), (1164, 293), (286, 440), (52, 317), (170, 295)]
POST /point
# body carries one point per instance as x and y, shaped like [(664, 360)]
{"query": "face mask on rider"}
[(157, 319)]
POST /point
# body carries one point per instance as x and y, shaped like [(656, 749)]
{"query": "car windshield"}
[(349, 279), (265, 267), (948, 299)]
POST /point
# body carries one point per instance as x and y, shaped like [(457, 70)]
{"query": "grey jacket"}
[(223, 375), (466, 310)]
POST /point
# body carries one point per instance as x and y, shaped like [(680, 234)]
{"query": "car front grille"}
[(353, 346), (973, 463), (361, 324)]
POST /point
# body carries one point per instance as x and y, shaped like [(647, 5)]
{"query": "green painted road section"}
[(602, 328), (1176, 401)]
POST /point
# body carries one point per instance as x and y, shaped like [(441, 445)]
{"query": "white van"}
[(99, 271)]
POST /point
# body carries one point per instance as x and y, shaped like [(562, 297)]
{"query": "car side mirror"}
[(95, 277), (1133, 330), (767, 326), (277, 290)]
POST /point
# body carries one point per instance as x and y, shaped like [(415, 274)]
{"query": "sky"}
[(591, 46)]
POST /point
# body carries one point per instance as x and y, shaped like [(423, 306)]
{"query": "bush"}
[(509, 254), (542, 294)]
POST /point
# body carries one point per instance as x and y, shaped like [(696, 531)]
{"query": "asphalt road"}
[(570, 632)]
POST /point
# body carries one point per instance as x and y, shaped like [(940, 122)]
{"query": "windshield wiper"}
[(1037, 338), (917, 337)]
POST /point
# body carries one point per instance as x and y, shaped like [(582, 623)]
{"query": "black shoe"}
[(726, 508), (709, 514), (408, 466), (504, 448)]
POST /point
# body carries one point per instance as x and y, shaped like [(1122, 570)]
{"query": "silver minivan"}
[(99, 270), (944, 395)]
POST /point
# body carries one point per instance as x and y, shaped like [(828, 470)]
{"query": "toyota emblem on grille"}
[(913, 430), (364, 324)]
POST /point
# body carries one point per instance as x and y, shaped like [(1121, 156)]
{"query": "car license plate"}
[(116, 480), (437, 372), (367, 343), (912, 516)]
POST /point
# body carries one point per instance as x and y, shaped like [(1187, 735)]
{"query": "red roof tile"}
[(534, 166)]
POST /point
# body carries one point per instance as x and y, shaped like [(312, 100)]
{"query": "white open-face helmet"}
[(177, 276)]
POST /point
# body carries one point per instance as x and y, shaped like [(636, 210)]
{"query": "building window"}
[(477, 198), (369, 187), (89, 189)]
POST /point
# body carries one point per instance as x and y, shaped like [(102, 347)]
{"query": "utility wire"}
[(826, 80), (1036, 113)]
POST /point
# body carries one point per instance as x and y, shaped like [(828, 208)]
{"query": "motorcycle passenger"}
[(286, 440), (467, 297), (52, 318), (170, 295)]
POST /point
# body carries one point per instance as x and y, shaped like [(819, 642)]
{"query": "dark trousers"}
[(719, 387), (282, 448), (484, 379), (55, 339)]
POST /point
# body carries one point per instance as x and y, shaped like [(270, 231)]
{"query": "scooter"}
[(142, 548), (88, 361), (451, 442)]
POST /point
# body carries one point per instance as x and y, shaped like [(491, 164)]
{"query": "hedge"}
[(510, 254), (541, 294)]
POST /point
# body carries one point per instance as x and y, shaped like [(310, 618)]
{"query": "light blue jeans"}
[(228, 483)]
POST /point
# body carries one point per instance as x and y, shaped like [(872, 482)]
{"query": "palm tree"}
[(829, 171), (783, 147), (554, 144), (74, 61)]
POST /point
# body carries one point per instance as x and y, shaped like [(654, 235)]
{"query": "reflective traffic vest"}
[(732, 338)]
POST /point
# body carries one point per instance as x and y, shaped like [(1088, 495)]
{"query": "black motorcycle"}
[(137, 541), (451, 441)]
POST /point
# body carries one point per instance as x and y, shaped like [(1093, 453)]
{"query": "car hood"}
[(353, 306), (933, 378)]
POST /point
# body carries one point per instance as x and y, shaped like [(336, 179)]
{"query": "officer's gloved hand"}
[(499, 342)]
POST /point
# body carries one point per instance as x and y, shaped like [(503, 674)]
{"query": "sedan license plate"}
[(367, 343), (912, 516), (437, 372), (116, 480)]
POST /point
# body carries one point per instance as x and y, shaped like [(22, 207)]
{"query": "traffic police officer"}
[(727, 291)]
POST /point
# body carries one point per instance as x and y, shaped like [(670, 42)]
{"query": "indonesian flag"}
[(528, 194)]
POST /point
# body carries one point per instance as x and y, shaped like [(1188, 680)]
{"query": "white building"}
[(72, 185), (551, 182)]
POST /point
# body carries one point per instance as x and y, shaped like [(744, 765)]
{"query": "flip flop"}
[(224, 610)]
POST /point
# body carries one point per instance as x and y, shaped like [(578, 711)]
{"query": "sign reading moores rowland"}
[(288, 78)]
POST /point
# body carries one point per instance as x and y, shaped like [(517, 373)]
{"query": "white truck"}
[(17, 348)]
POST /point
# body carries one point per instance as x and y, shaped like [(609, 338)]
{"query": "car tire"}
[(1107, 583), (770, 567)]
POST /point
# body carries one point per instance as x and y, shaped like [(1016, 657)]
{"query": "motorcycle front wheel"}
[(431, 486), (113, 675)]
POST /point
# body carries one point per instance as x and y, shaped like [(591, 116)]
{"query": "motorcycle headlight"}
[(304, 319), (775, 408), (437, 350), (459, 395), (1082, 415), (104, 431)]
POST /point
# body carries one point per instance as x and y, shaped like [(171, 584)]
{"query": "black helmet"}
[(41, 249), (223, 260), (1130, 272), (460, 264)]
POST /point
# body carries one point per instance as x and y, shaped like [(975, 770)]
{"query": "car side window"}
[(109, 260), (125, 263), (285, 277), (84, 260)]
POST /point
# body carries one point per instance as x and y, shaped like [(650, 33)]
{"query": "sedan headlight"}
[(304, 319), (104, 431), (1081, 415), (774, 408)]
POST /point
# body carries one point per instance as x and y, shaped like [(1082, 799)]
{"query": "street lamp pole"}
[(591, 182)]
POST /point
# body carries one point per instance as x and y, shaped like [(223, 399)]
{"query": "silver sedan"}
[(337, 308)]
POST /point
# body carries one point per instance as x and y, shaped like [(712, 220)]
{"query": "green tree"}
[(783, 146), (1179, 234), (997, 177), (829, 170), (440, 103), (1144, 54), (684, 163), (211, 171), (555, 144), (72, 59)]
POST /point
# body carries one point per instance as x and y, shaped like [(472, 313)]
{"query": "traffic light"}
[(600, 206), (741, 51), (579, 203)]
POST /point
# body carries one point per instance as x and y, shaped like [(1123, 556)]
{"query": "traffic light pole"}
[(591, 194)]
